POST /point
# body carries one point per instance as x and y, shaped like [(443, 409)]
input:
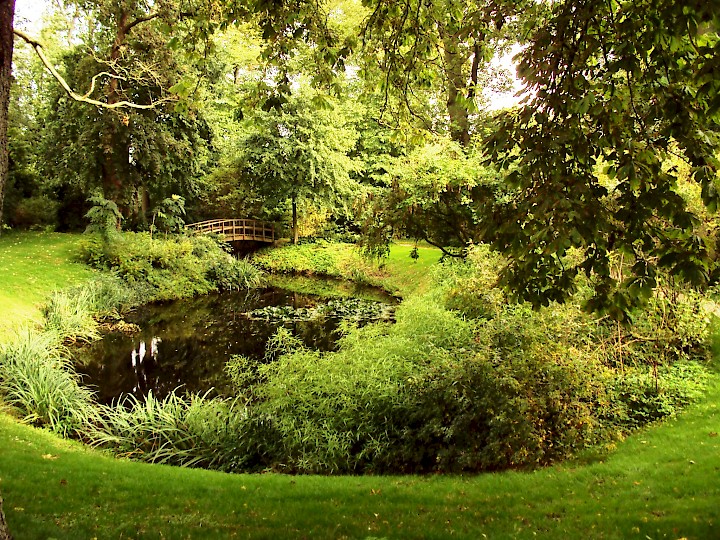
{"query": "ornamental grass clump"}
[(186, 430), (39, 381)]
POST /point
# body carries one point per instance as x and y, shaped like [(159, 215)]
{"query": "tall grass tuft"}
[(38, 380), (70, 315), (190, 431), (229, 274)]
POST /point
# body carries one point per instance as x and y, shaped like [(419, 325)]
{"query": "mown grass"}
[(408, 275), (32, 265), (660, 483), (398, 273)]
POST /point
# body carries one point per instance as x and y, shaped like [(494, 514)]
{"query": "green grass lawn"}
[(32, 265), (663, 482), (406, 274)]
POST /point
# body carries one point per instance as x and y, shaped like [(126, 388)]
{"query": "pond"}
[(185, 344)]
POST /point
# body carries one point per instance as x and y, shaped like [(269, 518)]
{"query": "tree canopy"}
[(583, 180)]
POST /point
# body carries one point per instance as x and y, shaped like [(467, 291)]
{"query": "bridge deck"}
[(237, 229)]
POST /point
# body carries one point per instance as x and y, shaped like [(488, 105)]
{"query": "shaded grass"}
[(32, 265), (661, 483)]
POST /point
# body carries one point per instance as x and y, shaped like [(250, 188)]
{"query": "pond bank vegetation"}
[(465, 380), (652, 483)]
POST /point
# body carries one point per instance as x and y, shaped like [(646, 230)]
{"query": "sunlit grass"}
[(660, 483), (407, 274), (32, 265)]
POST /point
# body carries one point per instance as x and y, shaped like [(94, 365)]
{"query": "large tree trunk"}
[(7, 14), (111, 181), (4, 531), (456, 56)]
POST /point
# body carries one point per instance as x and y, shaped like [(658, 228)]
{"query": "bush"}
[(649, 394), (438, 393), (471, 285), (231, 274), (35, 212), (73, 313), (171, 268), (38, 379), (318, 258)]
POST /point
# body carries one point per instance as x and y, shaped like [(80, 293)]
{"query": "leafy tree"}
[(422, 52), (438, 192), (614, 84), (296, 153), (618, 87), (134, 155)]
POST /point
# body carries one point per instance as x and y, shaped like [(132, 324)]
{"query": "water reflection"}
[(187, 343)]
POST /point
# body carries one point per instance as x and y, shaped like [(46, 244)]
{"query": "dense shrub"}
[(318, 258), (674, 325), (170, 268), (35, 212), (438, 393), (648, 394)]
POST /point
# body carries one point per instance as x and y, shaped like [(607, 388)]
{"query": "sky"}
[(28, 14)]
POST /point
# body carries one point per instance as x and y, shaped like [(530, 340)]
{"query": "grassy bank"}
[(660, 483), (32, 265), (398, 273)]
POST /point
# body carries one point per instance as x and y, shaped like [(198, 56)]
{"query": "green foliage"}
[(74, 312), (127, 153), (470, 286), (649, 394), (72, 315), (438, 192), (104, 216), (296, 153), (230, 274), (175, 267), (347, 308), (39, 212), (642, 72), (318, 258), (190, 431), (169, 214), (434, 392), (38, 379), (488, 385)]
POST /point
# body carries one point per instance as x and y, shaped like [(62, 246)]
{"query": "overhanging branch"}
[(37, 46)]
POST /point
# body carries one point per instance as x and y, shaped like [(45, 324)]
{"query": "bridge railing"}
[(237, 229)]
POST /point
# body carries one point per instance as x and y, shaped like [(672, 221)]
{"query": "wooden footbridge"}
[(237, 229)]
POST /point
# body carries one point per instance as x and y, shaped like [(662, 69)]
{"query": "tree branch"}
[(37, 46), (139, 20)]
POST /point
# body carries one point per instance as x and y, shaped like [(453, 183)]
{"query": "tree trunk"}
[(7, 14), (456, 56), (111, 178), (294, 218), (4, 531)]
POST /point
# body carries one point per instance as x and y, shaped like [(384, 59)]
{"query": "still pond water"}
[(185, 344)]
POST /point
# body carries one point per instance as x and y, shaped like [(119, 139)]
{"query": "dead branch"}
[(37, 46)]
